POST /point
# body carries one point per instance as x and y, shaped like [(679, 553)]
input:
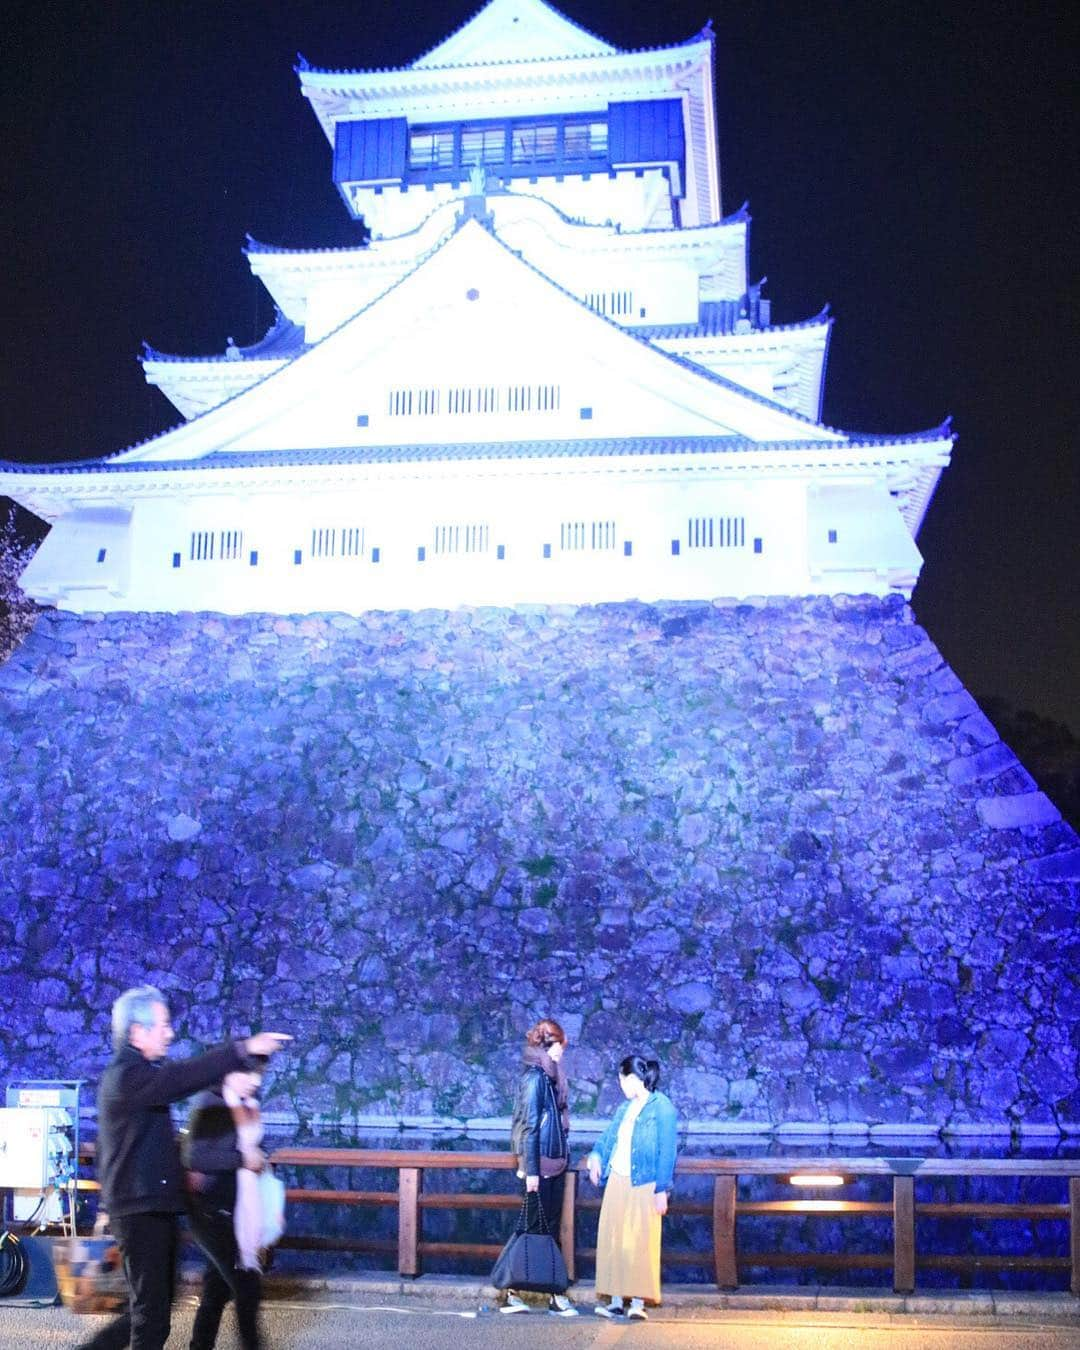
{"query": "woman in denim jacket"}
[(635, 1156)]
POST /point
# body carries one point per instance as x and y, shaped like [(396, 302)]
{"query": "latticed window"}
[(352, 542), (535, 142), (483, 145), (224, 545), (431, 149), (323, 543), (471, 538), (581, 140), (716, 532), (576, 535)]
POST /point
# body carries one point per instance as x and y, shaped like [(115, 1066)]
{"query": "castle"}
[(328, 728), (547, 376)]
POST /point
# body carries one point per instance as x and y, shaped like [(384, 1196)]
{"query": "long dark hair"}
[(648, 1070)]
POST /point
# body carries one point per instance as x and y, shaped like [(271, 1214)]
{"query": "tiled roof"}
[(303, 65), (462, 26), (282, 341), (739, 217), (719, 318), (481, 450)]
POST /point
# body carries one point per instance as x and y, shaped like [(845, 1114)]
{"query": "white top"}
[(620, 1158)]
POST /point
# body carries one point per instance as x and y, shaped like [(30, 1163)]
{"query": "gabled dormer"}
[(626, 138)]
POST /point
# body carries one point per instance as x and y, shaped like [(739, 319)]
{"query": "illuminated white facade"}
[(546, 378)]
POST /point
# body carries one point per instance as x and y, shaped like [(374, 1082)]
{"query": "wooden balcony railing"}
[(725, 1257)]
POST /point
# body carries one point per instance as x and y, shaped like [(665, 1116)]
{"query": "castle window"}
[(483, 145), (421, 553), (176, 559), (627, 548), (757, 545), (413, 402), (431, 149), (202, 545), (547, 550), (225, 545), (716, 532), (375, 555), (585, 414), (253, 560), (460, 539), (101, 555), (832, 537), (323, 543), (298, 556), (674, 548), (231, 545), (611, 302), (584, 140), (500, 552), (539, 141), (352, 542), (362, 419), (575, 535)]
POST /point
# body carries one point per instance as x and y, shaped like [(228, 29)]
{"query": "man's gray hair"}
[(134, 1008)]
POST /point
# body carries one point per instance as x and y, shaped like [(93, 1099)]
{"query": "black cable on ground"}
[(14, 1266)]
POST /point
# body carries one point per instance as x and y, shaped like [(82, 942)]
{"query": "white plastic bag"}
[(272, 1198)]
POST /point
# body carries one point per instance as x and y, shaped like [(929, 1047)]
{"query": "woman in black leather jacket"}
[(539, 1136)]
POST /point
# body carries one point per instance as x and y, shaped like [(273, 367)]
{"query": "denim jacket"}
[(652, 1145)]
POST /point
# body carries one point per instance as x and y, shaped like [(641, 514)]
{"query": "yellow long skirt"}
[(628, 1242)]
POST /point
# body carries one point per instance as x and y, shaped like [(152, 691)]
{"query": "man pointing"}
[(138, 1163)]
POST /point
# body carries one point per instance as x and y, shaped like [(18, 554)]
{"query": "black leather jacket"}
[(138, 1163), (210, 1152), (536, 1128)]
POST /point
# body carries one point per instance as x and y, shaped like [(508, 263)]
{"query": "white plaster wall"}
[(400, 514)]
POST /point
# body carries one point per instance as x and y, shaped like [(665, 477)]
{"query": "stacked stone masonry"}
[(777, 844)]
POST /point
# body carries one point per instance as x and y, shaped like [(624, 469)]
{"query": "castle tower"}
[(546, 377)]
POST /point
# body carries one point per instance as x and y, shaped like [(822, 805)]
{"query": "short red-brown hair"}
[(545, 1033)]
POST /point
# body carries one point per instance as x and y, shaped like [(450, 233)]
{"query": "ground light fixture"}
[(818, 1179)]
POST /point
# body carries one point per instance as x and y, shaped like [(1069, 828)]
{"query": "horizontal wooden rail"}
[(725, 1208)]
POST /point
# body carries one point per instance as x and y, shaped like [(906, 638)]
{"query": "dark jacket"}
[(138, 1163), (210, 1152), (537, 1128)]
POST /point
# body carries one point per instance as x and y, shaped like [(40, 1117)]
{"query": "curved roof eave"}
[(304, 67), (486, 450)]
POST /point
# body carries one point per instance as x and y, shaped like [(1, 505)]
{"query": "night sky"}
[(910, 163)]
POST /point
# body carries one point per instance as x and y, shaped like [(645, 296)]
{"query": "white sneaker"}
[(560, 1306), (611, 1309), (514, 1304), (636, 1311)]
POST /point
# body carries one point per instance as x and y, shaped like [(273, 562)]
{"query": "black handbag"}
[(531, 1260)]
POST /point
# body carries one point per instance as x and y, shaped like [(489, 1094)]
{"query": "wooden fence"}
[(725, 1257)]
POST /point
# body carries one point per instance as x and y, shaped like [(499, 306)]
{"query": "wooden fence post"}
[(904, 1234), (725, 1189), (1074, 1233), (408, 1238), (567, 1238)]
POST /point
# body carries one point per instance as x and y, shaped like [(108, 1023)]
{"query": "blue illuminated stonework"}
[(779, 845)]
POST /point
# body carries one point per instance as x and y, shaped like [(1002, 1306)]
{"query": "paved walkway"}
[(437, 1312)]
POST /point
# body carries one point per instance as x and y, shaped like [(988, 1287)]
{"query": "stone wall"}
[(779, 845)]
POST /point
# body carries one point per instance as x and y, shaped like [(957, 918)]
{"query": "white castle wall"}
[(402, 541)]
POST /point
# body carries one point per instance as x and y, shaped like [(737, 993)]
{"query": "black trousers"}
[(147, 1243), (213, 1231), (550, 1200)]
